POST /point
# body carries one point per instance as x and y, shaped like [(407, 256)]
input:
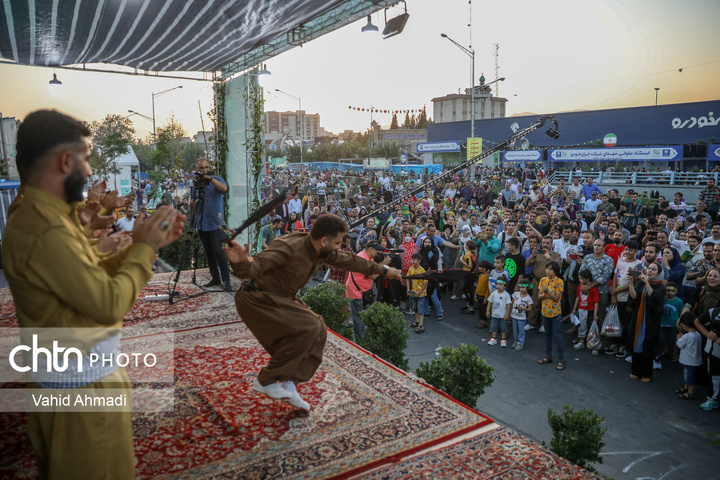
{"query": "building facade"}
[(458, 107)]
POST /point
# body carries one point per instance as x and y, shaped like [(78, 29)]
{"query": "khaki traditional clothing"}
[(58, 279), (287, 329)]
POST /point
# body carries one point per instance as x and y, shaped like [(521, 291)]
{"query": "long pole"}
[(302, 128), (154, 136), (656, 95), (472, 95)]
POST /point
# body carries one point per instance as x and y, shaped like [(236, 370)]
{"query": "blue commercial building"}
[(665, 133)]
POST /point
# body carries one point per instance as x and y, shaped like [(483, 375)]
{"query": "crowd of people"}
[(532, 255)]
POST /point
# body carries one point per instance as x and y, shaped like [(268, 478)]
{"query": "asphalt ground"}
[(651, 433)]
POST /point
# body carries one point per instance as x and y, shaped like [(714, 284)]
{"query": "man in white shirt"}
[(127, 223), (575, 189), (295, 206)]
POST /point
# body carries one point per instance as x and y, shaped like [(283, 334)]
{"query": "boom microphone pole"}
[(552, 132)]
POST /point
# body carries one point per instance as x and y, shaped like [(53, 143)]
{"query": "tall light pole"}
[(656, 94), (302, 121), (482, 86), (471, 54), (153, 108)]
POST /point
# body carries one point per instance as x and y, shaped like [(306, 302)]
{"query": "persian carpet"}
[(365, 412), (497, 454)]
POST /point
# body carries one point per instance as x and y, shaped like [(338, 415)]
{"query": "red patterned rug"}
[(364, 410), (497, 454)]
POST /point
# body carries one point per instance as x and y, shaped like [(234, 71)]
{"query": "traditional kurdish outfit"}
[(287, 329)]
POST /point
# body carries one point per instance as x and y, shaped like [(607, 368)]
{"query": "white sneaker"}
[(595, 352), (274, 390), (542, 329), (454, 297), (503, 343), (298, 402), (492, 342), (579, 345), (528, 327), (657, 365), (628, 359)]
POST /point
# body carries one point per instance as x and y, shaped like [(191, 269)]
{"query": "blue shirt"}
[(588, 189), (437, 240), (211, 216)]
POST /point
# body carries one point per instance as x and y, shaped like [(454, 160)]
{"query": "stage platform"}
[(369, 419)]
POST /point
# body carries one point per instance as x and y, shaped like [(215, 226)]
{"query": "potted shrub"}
[(577, 436), (459, 372), (386, 333), (326, 299)]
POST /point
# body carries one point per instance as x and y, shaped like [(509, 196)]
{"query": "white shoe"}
[(503, 343), (492, 342), (579, 345), (274, 390), (595, 352), (528, 327), (454, 297), (542, 329), (628, 359), (298, 402)]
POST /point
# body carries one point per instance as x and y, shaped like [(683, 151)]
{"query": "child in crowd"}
[(668, 324), (469, 265), (550, 290), (522, 302), (585, 304), (483, 292), (498, 271), (417, 291), (690, 354), (572, 251), (498, 309)]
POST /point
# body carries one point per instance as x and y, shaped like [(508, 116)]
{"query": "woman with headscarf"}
[(648, 293), (430, 256), (671, 261), (639, 234), (293, 225)]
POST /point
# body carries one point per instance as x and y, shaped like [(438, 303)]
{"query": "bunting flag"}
[(385, 110)]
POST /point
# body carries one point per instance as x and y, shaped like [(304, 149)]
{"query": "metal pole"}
[(472, 107), (302, 128), (656, 95), (154, 136)]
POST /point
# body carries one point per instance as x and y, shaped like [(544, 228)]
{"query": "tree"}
[(144, 151), (168, 146), (422, 120), (386, 150), (406, 122), (190, 153), (394, 123), (111, 137), (413, 122)]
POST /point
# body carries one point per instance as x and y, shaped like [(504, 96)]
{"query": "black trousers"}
[(212, 243)]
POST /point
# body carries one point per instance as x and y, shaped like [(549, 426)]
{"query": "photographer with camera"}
[(359, 287), (208, 207)]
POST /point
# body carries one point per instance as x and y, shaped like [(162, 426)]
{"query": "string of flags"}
[(384, 110)]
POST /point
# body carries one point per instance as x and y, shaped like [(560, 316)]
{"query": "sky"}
[(556, 55)]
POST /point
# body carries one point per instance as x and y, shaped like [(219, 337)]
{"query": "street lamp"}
[(153, 108), (656, 94), (471, 54), (482, 87), (302, 121)]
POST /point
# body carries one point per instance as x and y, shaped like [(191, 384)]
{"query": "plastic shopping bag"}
[(611, 326), (575, 320), (593, 338)]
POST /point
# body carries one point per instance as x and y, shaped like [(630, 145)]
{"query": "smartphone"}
[(540, 251), (633, 273), (523, 222), (606, 214), (573, 256)]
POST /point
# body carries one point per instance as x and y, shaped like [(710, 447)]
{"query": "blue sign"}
[(435, 147), (522, 156), (635, 154), (714, 153), (676, 124)]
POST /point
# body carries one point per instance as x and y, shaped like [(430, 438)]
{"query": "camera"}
[(390, 253), (201, 182)]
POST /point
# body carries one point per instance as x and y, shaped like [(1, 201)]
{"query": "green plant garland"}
[(221, 140)]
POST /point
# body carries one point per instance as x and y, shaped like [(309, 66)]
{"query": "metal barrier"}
[(639, 178)]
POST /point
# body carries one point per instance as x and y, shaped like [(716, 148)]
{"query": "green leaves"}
[(386, 333), (459, 372), (327, 300), (577, 435)]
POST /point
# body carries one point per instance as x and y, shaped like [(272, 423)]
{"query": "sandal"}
[(545, 360), (682, 390), (420, 329), (415, 324), (560, 365), (481, 325), (687, 396), (645, 379)]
